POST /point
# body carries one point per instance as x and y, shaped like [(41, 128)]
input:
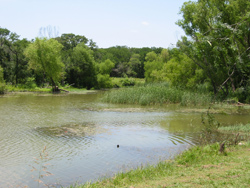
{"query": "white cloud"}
[(145, 23)]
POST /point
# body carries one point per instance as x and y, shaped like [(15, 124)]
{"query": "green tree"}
[(5, 55), (44, 55), (70, 40), (82, 70), (92, 45), (218, 41), (180, 70), (106, 67), (16, 48), (103, 76), (135, 66), (153, 66)]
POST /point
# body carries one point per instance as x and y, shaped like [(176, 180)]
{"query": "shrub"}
[(104, 81), (30, 83), (127, 82)]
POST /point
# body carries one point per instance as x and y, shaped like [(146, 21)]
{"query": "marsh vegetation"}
[(157, 94)]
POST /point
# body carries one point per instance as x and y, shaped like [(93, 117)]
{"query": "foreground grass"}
[(156, 94), (196, 167)]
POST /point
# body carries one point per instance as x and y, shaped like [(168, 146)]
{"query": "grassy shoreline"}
[(197, 167), (12, 89)]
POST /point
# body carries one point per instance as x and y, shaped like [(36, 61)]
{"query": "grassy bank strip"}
[(236, 128), (196, 167), (156, 94), (10, 88), (13, 89)]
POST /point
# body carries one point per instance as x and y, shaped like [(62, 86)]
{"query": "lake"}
[(81, 135)]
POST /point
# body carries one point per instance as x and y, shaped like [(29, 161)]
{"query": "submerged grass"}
[(156, 94), (196, 167)]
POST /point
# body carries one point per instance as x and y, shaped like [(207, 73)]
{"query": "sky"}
[(132, 23)]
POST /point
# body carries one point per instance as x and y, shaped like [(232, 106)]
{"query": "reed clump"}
[(245, 128), (151, 94)]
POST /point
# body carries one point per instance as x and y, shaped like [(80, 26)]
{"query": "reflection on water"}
[(81, 135)]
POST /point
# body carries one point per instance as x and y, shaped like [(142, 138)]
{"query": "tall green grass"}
[(156, 94), (236, 128)]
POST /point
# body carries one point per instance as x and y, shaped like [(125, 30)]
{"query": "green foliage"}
[(2, 82), (135, 66), (126, 59), (103, 77), (17, 59), (210, 125), (152, 67), (44, 56), (218, 42), (104, 81), (105, 67), (174, 67), (30, 83), (151, 56), (82, 70), (70, 40), (127, 81), (181, 71)]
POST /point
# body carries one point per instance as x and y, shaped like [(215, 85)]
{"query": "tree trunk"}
[(16, 71), (55, 88), (232, 83)]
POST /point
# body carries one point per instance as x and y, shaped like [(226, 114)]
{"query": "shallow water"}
[(81, 136)]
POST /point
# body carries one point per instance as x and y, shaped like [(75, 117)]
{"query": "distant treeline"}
[(82, 61), (214, 56)]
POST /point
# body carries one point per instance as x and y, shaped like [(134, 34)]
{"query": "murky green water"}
[(81, 136)]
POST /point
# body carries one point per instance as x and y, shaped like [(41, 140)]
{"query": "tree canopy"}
[(218, 41), (44, 55)]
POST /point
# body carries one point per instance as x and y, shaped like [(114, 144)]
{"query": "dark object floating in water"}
[(118, 146)]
